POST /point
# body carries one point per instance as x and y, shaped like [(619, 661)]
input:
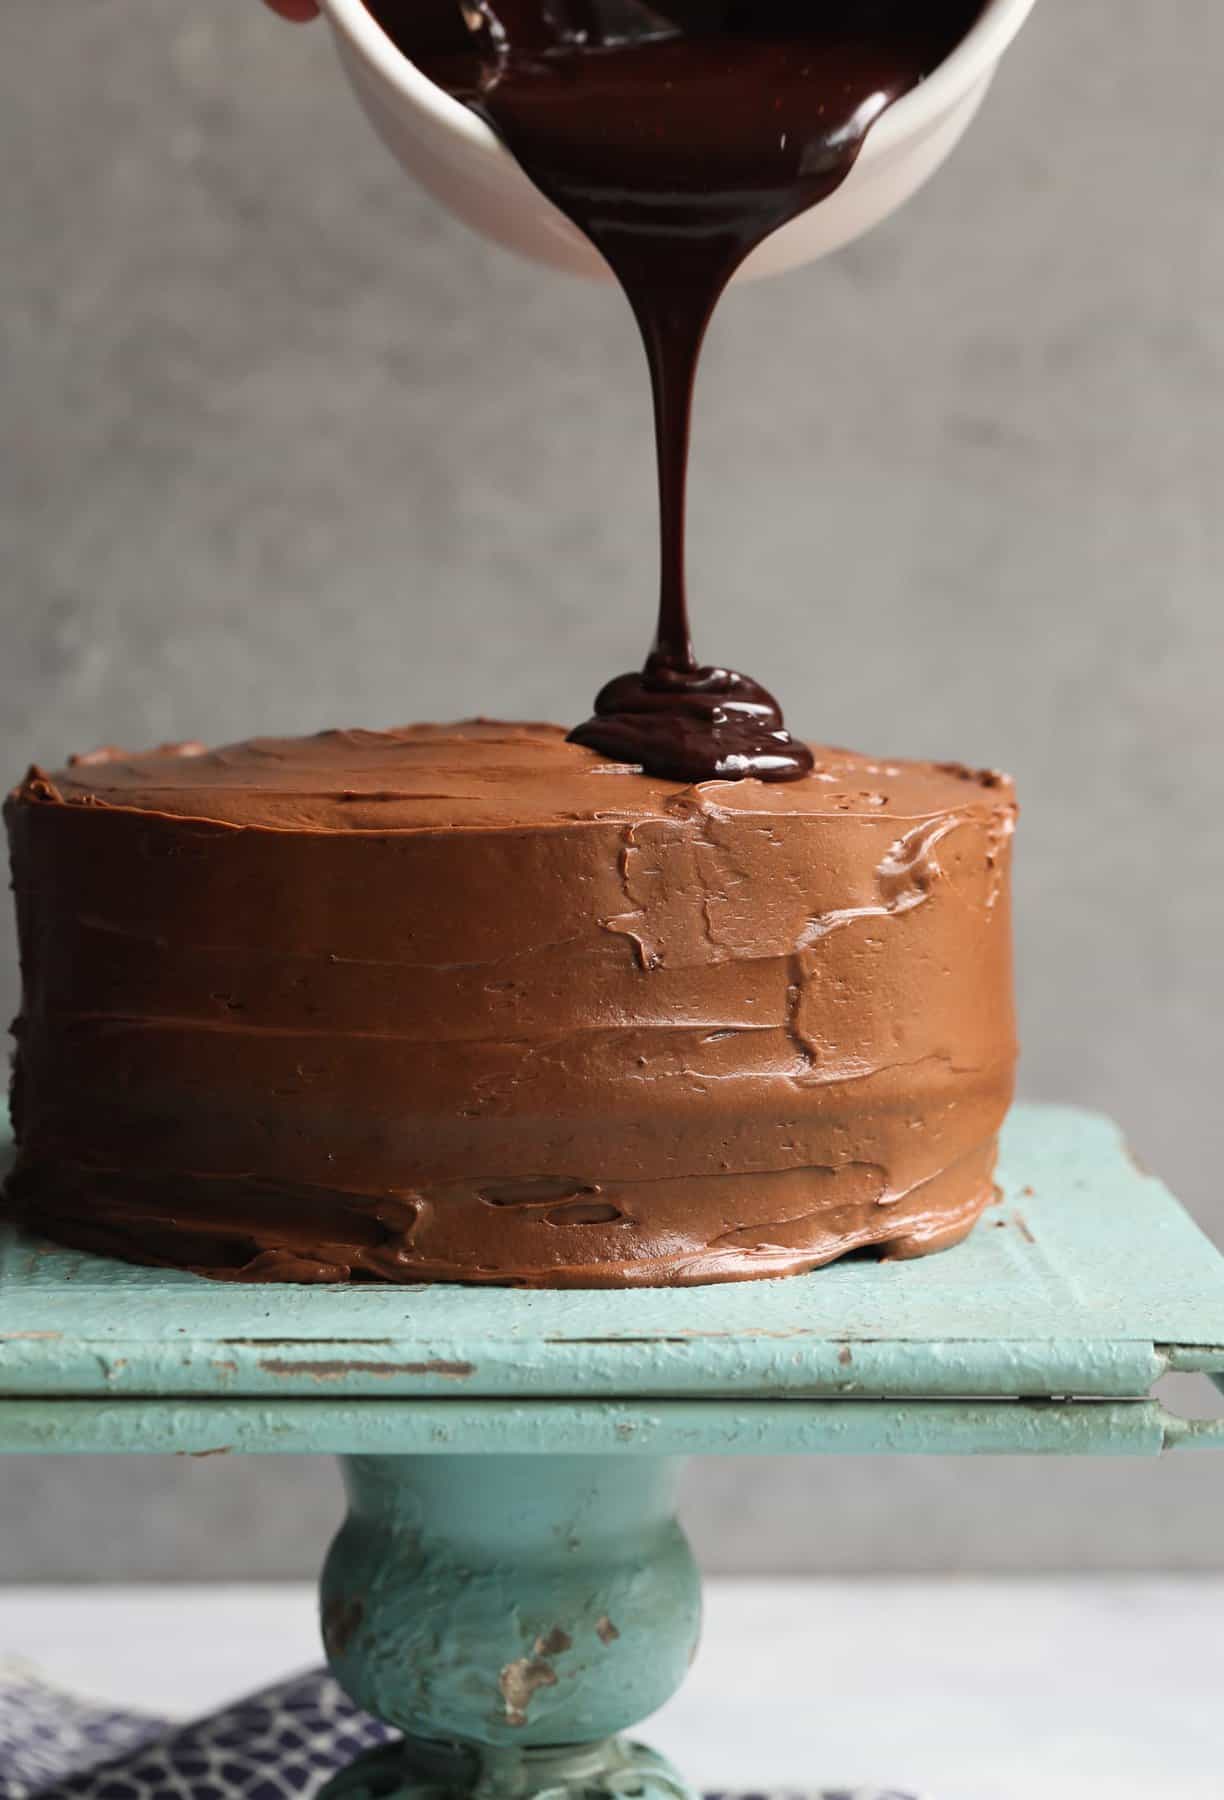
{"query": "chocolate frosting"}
[(474, 1003)]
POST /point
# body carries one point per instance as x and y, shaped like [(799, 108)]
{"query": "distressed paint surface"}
[(494, 1611), (463, 1600), (1088, 1279), (571, 1428)]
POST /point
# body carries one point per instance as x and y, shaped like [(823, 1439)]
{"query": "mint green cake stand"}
[(511, 1588)]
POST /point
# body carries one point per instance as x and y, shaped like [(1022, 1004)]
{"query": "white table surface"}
[(967, 1690)]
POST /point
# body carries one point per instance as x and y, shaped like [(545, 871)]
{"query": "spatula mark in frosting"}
[(678, 136)]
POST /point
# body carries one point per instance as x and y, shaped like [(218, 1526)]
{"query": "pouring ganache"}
[(671, 999), (678, 136)]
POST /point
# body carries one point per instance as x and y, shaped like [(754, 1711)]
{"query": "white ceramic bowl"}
[(467, 168)]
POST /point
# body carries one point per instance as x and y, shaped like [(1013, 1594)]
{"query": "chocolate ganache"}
[(678, 136), (473, 1003)]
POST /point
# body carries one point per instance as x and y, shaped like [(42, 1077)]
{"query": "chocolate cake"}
[(472, 1003)]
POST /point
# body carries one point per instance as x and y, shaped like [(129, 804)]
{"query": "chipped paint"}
[(554, 1643), (605, 1630), (519, 1681), (339, 1371), (342, 1620)]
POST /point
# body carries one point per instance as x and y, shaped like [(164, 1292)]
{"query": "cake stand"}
[(511, 1588)]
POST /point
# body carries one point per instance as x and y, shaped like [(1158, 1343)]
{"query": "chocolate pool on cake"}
[(473, 1003)]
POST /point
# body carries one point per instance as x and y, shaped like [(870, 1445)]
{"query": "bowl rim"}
[(969, 64)]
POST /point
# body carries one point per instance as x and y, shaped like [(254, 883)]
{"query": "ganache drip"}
[(694, 725), (679, 135)]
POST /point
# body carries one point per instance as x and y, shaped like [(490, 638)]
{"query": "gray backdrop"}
[(282, 447)]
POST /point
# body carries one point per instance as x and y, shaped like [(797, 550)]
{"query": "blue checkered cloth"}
[(282, 1744)]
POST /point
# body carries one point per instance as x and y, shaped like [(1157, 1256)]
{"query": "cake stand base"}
[(511, 1615), (414, 1770)]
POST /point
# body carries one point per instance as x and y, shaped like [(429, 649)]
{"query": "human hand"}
[(297, 10)]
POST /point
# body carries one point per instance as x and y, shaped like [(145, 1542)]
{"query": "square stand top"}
[(1046, 1331)]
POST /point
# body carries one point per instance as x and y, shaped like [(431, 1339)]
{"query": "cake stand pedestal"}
[(511, 1588)]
